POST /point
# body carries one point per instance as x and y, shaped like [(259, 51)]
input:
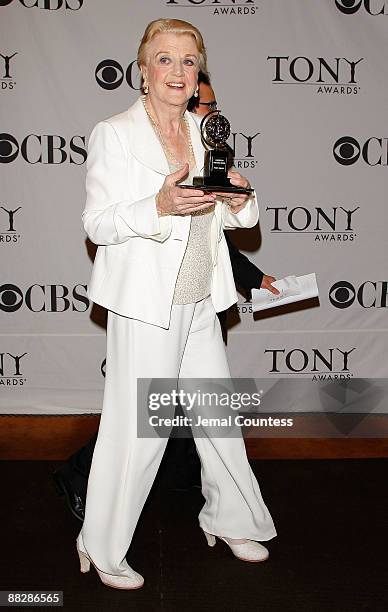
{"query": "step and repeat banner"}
[(305, 87)]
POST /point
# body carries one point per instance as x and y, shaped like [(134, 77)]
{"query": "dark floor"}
[(330, 552)]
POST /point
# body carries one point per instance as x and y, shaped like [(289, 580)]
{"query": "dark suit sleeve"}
[(246, 274)]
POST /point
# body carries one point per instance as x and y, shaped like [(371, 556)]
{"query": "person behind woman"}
[(162, 270)]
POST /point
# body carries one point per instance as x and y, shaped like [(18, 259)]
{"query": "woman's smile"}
[(175, 85)]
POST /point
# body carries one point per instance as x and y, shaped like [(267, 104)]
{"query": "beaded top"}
[(195, 274)]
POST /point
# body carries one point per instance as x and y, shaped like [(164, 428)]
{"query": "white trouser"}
[(124, 466)]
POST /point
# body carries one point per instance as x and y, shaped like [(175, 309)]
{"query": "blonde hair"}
[(175, 26)]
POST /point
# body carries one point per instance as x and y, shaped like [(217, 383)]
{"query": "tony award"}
[(215, 130)]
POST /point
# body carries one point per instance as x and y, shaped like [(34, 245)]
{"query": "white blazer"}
[(140, 253)]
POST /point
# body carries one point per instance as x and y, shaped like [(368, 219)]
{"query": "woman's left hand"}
[(236, 202)]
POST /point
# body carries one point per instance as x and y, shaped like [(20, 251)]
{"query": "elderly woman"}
[(162, 270)]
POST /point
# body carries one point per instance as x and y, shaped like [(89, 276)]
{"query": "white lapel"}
[(196, 141), (145, 145)]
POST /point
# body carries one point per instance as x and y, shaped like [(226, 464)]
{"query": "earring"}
[(196, 93), (145, 87)]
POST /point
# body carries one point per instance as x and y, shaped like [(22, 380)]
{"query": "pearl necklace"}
[(159, 133)]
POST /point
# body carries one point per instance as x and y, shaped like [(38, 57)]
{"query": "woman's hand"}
[(236, 202), (172, 200)]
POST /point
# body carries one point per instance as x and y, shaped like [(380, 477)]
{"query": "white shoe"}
[(131, 581), (246, 550)]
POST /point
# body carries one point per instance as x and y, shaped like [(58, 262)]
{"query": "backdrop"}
[(304, 85)]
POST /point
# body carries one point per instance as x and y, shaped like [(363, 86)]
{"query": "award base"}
[(215, 179), (202, 186)]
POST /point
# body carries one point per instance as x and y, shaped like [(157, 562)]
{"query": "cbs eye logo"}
[(374, 151), (110, 74), (346, 151), (342, 294), (11, 298), (349, 7), (369, 294), (9, 148)]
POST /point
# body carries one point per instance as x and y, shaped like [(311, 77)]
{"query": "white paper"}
[(292, 289)]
